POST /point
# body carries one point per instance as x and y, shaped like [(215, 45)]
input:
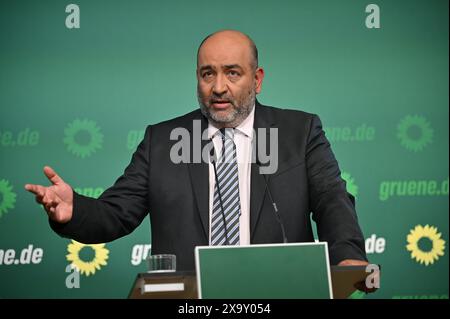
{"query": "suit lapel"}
[(257, 184), (257, 194), (199, 174)]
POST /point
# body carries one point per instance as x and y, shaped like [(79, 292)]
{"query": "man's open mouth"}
[(220, 103)]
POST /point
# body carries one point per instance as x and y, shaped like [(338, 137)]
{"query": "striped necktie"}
[(226, 195)]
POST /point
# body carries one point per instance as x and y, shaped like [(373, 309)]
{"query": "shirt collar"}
[(246, 127)]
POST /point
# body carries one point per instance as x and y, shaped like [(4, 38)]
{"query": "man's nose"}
[(220, 85)]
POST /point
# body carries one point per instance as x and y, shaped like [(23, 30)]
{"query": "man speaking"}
[(225, 198)]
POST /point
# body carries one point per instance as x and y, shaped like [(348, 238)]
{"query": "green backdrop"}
[(79, 100)]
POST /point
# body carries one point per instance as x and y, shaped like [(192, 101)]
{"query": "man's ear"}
[(259, 76)]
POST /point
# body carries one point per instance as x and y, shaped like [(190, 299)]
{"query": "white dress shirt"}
[(243, 135)]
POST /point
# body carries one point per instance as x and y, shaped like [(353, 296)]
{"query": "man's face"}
[(227, 79)]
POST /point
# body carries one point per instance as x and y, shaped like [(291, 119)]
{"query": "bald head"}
[(223, 40)]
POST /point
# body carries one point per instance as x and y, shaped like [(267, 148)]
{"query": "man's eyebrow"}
[(206, 67), (232, 66), (225, 67)]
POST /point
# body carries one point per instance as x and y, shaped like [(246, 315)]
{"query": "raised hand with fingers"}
[(57, 199)]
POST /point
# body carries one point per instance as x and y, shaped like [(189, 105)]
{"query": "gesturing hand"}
[(57, 199)]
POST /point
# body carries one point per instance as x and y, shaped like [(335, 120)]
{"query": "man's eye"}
[(207, 74), (233, 73)]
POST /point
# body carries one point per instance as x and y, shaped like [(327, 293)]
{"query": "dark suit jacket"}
[(176, 196)]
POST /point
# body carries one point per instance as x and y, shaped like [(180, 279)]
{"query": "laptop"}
[(268, 271)]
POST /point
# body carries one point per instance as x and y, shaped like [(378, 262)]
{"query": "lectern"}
[(183, 284), (269, 271)]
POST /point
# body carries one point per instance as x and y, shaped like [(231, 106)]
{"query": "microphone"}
[(274, 205), (213, 159)]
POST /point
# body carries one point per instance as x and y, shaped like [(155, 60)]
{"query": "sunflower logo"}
[(352, 188), (415, 244), (414, 132), (77, 254), (7, 197), (83, 137)]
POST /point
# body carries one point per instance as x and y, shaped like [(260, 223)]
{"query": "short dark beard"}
[(237, 116)]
